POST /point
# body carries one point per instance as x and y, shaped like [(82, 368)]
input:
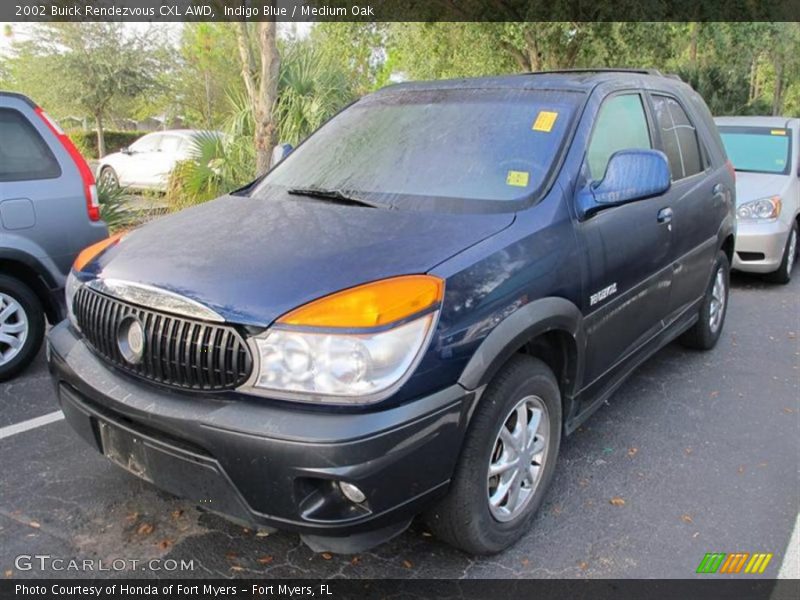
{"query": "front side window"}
[(679, 138), (438, 149), (24, 155), (758, 149), (149, 143), (621, 125)]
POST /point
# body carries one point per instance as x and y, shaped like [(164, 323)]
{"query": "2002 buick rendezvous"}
[(409, 311)]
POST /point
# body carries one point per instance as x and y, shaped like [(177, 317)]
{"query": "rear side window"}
[(621, 125), (24, 155), (679, 138)]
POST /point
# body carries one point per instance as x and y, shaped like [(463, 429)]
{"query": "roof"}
[(17, 96), (583, 80), (756, 121), (185, 132)]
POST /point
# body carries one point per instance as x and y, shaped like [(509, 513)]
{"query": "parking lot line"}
[(790, 568), (10, 430)]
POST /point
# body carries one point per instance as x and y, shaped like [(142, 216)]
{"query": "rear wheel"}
[(507, 461), (21, 326), (705, 333), (784, 272)]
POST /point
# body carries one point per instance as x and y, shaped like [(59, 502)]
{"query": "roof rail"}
[(599, 70)]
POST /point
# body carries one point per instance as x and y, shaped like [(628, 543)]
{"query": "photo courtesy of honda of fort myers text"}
[(399, 299)]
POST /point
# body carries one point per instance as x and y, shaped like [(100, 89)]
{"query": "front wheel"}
[(507, 461), (109, 178), (705, 333), (784, 272)]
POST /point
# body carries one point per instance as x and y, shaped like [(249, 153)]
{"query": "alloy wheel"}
[(518, 457), (717, 309), (13, 328), (792, 251)]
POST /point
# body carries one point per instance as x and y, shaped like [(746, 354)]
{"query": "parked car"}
[(148, 162), (410, 310), (48, 213), (765, 152)]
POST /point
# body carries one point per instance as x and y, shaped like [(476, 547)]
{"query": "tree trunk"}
[(693, 45), (248, 62), (777, 95), (266, 131), (101, 136)]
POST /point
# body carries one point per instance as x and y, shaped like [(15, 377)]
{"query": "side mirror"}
[(630, 175), (126, 150), (280, 152)]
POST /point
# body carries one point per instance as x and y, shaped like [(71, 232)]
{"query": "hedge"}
[(86, 141)]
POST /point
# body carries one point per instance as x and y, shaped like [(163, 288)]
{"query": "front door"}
[(627, 249)]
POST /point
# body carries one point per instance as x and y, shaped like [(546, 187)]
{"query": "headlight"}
[(70, 289), (764, 208), (353, 347)]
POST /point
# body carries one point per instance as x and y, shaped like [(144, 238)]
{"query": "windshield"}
[(434, 149), (758, 149)]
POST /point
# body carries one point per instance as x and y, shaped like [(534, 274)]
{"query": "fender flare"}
[(533, 319)]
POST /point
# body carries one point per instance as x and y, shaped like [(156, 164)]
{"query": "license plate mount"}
[(124, 449)]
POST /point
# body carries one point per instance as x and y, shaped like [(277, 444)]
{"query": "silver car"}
[(765, 151), (49, 212)]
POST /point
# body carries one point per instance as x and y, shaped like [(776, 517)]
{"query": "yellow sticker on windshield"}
[(778, 132), (545, 121), (517, 178)]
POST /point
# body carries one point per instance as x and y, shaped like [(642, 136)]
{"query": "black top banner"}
[(398, 10)]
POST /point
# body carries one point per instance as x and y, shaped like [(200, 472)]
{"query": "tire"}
[(705, 333), (109, 177), (22, 320), (784, 272), (464, 518)]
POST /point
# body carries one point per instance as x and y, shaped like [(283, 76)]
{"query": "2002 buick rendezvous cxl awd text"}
[(407, 313)]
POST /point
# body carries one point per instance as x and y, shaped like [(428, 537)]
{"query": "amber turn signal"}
[(370, 305), (87, 254)]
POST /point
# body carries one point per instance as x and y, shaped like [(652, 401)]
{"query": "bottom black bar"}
[(417, 589)]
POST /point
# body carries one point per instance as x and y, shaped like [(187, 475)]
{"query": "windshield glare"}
[(417, 148), (758, 149)]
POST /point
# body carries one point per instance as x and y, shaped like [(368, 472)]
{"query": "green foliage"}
[(312, 88), (86, 68), (113, 206), (218, 166), (86, 141)]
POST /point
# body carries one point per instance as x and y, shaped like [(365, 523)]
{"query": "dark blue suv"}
[(407, 313)]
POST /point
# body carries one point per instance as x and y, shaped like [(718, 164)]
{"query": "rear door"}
[(627, 248), (697, 199)]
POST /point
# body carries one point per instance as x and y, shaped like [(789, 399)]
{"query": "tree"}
[(260, 65), (86, 67)]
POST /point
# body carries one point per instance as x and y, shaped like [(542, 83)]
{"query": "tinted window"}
[(758, 149), (24, 155), (621, 125), (435, 148), (679, 138)]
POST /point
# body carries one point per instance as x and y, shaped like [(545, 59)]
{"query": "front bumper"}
[(760, 246), (265, 463)]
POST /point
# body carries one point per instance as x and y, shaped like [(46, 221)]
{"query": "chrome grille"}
[(179, 352)]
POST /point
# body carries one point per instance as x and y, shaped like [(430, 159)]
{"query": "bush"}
[(86, 141)]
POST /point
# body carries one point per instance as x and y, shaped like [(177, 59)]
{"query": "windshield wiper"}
[(337, 196)]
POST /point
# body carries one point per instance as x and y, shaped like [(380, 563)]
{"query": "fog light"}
[(352, 492)]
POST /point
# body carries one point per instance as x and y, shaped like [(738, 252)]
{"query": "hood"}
[(752, 186), (253, 259)]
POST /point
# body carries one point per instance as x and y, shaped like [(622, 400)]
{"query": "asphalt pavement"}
[(696, 453)]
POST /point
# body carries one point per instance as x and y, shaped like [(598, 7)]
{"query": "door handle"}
[(665, 215)]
